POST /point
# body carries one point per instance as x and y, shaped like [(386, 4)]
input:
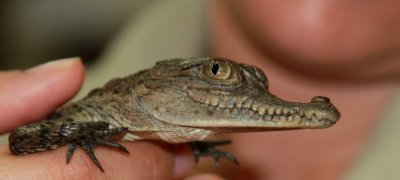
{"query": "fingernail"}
[(56, 64)]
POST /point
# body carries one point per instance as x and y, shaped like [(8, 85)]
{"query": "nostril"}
[(320, 99)]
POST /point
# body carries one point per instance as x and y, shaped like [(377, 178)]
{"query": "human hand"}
[(28, 96)]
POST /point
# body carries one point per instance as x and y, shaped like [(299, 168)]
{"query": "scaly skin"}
[(177, 101)]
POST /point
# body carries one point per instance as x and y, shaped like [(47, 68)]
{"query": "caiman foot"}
[(207, 148), (88, 135)]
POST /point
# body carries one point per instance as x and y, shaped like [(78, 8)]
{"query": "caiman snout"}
[(323, 109), (322, 99)]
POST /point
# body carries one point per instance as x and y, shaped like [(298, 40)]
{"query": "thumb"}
[(26, 96)]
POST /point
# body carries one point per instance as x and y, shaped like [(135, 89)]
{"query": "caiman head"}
[(222, 94)]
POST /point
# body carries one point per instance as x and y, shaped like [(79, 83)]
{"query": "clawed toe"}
[(88, 137), (207, 148)]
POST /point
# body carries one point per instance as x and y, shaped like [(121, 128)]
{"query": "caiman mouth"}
[(270, 112)]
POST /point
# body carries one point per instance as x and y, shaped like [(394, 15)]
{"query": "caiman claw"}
[(207, 148), (88, 135)]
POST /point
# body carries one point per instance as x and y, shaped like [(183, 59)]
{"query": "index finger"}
[(146, 161)]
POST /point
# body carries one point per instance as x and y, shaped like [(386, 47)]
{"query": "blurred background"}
[(34, 32)]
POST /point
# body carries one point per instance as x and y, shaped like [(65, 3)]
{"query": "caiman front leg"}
[(207, 148), (88, 135)]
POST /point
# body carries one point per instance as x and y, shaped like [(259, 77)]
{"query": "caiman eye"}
[(218, 70)]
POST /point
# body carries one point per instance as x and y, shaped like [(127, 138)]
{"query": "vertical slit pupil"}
[(215, 68)]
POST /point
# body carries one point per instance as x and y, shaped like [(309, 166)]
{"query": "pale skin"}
[(348, 52)]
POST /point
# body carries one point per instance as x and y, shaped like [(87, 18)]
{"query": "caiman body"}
[(176, 101)]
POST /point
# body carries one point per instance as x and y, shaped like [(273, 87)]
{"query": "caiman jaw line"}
[(265, 112)]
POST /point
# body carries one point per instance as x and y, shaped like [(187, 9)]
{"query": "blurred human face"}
[(352, 40)]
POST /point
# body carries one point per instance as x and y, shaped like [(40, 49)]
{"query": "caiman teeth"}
[(255, 106), (214, 101), (260, 111), (226, 111), (278, 111), (308, 114), (290, 118), (247, 103), (230, 104), (275, 118), (296, 117), (267, 117), (251, 113), (222, 104), (319, 115), (205, 100), (314, 119), (285, 110), (234, 110), (238, 103), (270, 110)]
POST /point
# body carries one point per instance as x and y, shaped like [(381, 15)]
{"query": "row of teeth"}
[(268, 112), (268, 117)]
